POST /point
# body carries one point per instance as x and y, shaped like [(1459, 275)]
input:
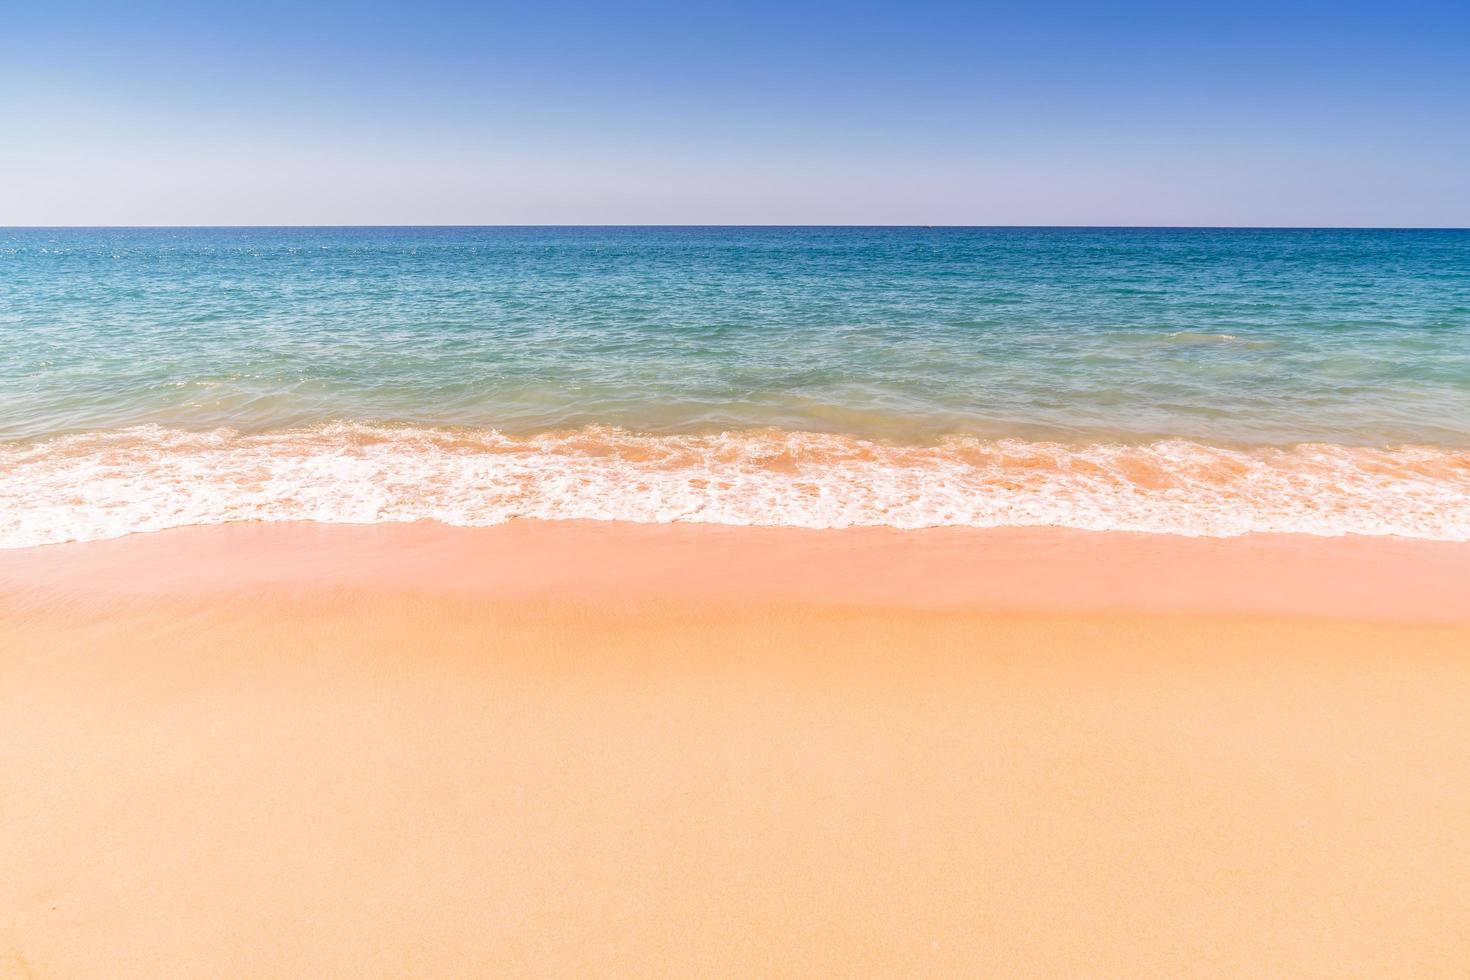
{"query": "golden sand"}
[(622, 750)]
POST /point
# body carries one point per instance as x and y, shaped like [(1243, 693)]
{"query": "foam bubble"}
[(102, 485)]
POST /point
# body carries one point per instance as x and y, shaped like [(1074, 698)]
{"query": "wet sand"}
[(573, 749)]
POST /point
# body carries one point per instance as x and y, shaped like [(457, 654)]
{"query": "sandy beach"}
[(734, 490), (612, 749)]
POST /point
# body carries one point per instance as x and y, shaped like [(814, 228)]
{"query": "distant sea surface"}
[(1189, 381)]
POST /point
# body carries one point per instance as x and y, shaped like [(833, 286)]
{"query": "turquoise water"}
[(910, 376)]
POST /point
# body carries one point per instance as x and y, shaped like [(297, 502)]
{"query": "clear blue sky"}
[(1240, 113)]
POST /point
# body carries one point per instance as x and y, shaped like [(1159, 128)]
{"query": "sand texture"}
[(614, 750)]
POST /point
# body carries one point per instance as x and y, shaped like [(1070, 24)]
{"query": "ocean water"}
[(1194, 381)]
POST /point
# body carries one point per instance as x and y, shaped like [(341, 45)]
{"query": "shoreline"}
[(992, 570), (97, 485), (572, 749)]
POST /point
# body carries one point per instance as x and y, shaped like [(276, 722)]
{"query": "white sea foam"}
[(102, 485), (1202, 338)]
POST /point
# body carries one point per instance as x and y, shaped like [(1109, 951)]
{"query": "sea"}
[(1181, 381)]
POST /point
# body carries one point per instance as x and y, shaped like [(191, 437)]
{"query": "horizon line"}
[(653, 225)]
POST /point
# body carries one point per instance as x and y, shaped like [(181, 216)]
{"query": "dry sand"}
[(574, 749)]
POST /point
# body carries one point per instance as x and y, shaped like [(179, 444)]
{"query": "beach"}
[(734, 490), (734, 601), (572, 748)]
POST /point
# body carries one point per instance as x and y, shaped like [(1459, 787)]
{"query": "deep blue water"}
[(1229, 336)]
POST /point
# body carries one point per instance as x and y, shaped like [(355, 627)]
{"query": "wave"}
[(102, 485)]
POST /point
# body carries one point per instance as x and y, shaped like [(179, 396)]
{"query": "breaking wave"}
[(102, 485)]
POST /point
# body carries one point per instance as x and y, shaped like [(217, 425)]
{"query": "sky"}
[(1244, 113)]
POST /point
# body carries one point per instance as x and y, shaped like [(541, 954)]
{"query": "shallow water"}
[(1190, 381)]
